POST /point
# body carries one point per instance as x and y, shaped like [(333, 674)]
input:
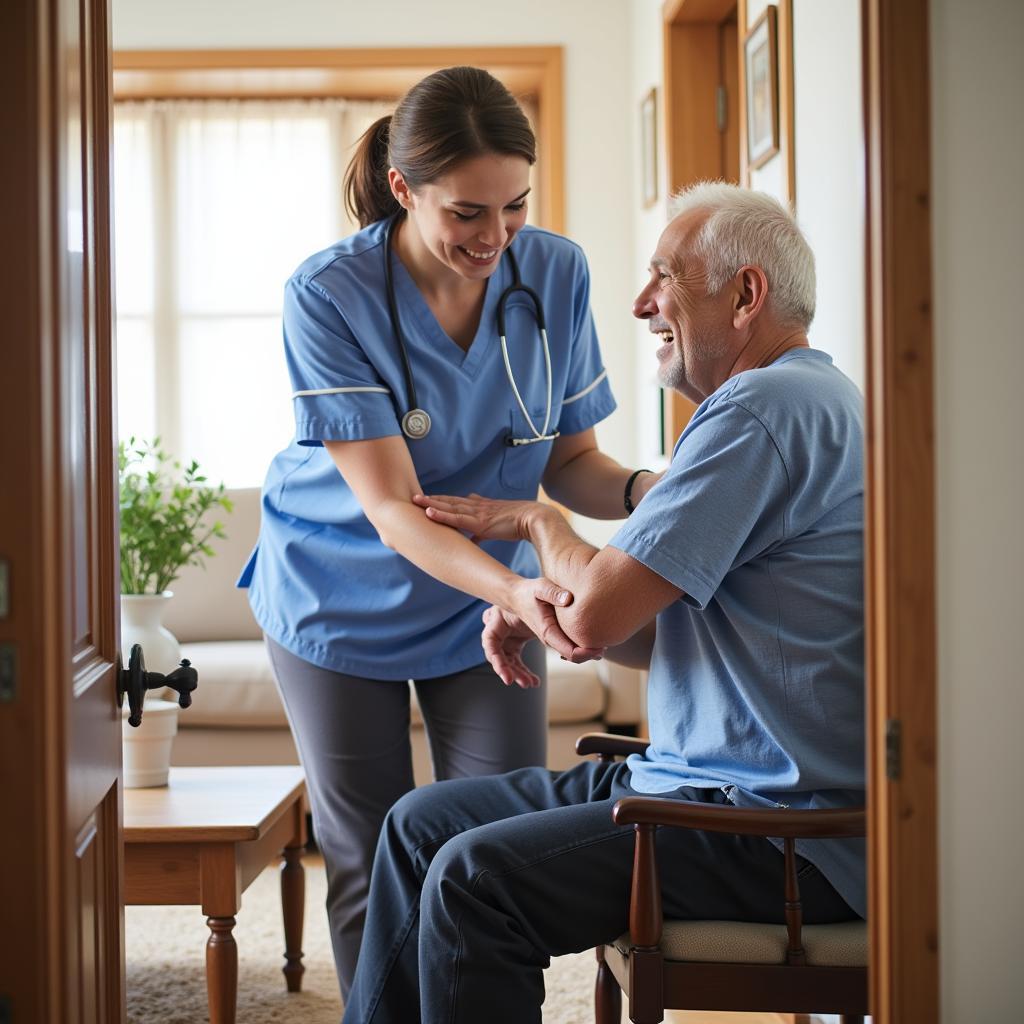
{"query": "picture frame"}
[(761, 64), (649, 148)]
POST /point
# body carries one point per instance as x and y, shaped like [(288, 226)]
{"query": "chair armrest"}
[(828, 823), (606, 743)]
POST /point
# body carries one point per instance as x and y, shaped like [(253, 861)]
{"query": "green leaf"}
[(162, 507)]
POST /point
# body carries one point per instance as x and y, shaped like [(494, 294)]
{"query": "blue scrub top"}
[(320, 581)]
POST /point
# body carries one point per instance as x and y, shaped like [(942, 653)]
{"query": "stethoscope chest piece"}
[(416, 424)]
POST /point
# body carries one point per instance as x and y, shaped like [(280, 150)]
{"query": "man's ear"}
[(750, 295), (399, 188)]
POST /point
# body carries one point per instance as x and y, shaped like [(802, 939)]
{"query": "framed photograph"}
[(761, 61), (649, 148)]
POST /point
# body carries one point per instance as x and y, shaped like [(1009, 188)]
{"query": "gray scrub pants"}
[(352, 735)]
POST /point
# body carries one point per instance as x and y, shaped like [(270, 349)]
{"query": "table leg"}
[(293, 902), (221, 970)]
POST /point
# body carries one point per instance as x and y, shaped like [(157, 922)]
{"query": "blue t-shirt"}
[(320, 581), (757, 676)]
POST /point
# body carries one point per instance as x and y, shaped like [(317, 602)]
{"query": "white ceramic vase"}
[(146, 749), (141, 623)]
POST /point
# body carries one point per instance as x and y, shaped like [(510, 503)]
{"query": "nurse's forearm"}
[(443, 553), (593, 484)]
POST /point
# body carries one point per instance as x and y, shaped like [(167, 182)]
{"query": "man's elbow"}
[(591, 623)]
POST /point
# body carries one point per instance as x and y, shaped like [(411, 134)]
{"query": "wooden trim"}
[(534, 71), (741, 22), (900, 540), (681, 12), (365, 57)]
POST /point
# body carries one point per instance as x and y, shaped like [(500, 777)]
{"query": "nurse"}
[(400, 386)]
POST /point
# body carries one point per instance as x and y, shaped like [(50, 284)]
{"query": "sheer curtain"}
[(215, 204)]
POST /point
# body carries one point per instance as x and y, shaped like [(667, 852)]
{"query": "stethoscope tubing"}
[(416, 421)]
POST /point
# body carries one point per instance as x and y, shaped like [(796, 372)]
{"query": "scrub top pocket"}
[(522, 465)]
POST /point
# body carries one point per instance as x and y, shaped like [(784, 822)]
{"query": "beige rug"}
[(166, 951)]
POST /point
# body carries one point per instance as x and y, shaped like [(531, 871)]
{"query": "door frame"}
[(900, 538)]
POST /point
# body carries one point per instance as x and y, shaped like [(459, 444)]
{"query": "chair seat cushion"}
[(237, 689), (844, 944)]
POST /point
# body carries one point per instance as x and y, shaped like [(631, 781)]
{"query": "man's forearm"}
[(564, 555), (566, 559)]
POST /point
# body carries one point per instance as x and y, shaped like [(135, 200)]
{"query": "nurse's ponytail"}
[(450, 116), (368, 195)]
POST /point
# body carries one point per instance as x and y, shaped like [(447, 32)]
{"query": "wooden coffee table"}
[(202, 839)]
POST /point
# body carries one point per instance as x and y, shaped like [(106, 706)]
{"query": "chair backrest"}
[(207, 604)]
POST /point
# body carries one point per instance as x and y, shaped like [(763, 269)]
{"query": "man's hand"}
[(506, 633), (504, 637), (483, 518)]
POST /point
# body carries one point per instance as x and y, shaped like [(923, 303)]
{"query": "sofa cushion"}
[(236, 686), (576, 693), (237, 689)]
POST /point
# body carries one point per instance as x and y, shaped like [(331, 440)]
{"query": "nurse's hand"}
[(506, 634), (482, 518)]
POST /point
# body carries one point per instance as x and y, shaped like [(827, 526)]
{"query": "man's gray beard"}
[(674, 373)]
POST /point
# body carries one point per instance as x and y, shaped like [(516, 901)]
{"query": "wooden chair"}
[(726, 965)]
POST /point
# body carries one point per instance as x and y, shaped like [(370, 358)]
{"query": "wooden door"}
[(60, 881)]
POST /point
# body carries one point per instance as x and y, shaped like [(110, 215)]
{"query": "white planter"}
[(141, 616), (147, 749)]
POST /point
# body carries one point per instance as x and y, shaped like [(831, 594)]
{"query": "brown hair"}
[(448, 117)]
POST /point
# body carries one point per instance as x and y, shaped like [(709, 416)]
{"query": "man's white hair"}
[(746, 227)]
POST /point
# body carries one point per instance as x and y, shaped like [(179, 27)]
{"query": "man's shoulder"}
[(803, 378)]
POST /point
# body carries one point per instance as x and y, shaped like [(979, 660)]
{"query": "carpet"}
[(166, 964)]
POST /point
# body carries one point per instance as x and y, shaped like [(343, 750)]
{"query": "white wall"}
[(597, 116), (978, 223), (829, 140), (647, 64)]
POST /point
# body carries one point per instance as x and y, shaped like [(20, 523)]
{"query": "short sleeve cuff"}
[(648, 552), (587, 407), (347, 417)]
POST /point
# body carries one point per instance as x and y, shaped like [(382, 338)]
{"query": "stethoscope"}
[(416, 421)]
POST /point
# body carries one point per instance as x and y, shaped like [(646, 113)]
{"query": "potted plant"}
[(164, 527)]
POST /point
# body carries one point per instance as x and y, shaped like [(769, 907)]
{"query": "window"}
[(216, 202)]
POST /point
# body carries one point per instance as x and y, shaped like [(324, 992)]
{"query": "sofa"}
[(236, 715)]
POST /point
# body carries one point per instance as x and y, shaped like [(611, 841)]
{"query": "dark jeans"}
[(477, 882)]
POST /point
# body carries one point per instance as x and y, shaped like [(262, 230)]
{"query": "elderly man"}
[(738, 579)]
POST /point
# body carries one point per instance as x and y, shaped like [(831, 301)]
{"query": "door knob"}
[(135, 681)]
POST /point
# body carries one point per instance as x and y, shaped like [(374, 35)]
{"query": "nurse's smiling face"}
[(466, 218)]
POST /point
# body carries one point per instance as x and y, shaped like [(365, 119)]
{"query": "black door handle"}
[(135, 681)]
